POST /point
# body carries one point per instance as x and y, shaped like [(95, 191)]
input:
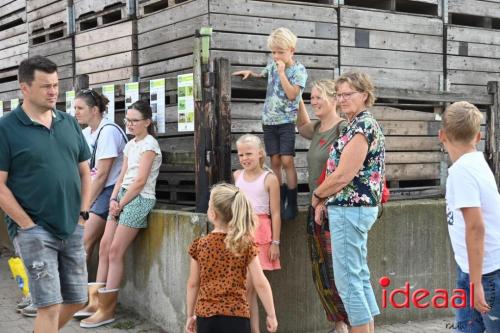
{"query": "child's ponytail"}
[(234, 209), (241, 226)]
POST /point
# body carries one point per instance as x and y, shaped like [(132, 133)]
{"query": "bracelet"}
[(317, 196), (275, 242), (113, 199)]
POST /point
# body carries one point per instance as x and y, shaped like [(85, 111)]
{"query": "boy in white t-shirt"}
[(473, 214)]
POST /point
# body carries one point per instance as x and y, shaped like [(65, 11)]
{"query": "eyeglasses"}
[(132, 122), (346, 96)]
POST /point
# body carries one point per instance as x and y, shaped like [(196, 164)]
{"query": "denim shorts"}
[(100, 207), (135, 213), (349, 228), (57, 269), (468, 319), (279, 139)]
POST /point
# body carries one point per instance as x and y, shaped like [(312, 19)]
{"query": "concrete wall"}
[(409, 243)]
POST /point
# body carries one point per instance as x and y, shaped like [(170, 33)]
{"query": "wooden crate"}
[(241, 29), (91, 14), (13, 47), (413, 159), (473, 45), (397, 50), (426, 7), (13, 36), (166, 38), (107, 54), (47, 20), (59, 51), (146, 7)]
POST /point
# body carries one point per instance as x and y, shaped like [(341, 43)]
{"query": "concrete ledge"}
[(409, 243)]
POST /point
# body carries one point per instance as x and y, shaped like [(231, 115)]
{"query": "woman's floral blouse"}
[(366, 187)]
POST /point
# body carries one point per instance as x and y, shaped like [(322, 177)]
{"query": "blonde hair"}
[(234, 209), (256, 142), (326, 88), (360, 82), (462, 121), (282, 38)]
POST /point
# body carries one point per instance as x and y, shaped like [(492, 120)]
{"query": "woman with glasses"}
[(106, 142), (322, 133), (350, 194), (132, 200)]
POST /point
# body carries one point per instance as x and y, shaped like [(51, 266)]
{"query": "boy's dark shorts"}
[(279, 139)]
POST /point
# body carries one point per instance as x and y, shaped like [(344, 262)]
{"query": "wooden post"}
[(222, 129), (203, 117), (493, 128)]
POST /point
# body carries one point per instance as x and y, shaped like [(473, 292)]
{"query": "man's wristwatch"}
[(84, 215)]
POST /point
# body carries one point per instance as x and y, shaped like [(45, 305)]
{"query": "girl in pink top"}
[(262, 189)]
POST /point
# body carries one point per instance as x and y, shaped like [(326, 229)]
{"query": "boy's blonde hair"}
[(282, 38), (255, 141), (462, 122), (234, 209), (359, 81), (326, 88)]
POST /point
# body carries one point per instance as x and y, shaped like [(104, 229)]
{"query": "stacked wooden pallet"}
[(166, 36), (473, 45), (13, 47), (241, 29), (105, 42), (49, 36), (398, 50)]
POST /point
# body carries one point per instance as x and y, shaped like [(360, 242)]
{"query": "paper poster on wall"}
[(14, 103), (1, 108), (157, 102), (70, 102), (185, 102), (109, 92)]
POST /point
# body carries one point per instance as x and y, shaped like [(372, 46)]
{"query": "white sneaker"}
[(24, 302), (29, 311)]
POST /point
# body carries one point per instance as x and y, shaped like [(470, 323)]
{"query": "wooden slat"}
[(350, 56), (14, 41), (406, 143), (400, 78), (473, 64), (412, 171), (470, 89), (52, 47), (389, 40), (171, 32), (103, 34), (263, 25), (164, 51), (31, 5), (472, 77), (474, 49), (228, 41), (12, 7), (104, 63), (51, 9), (112, 75), (473, 35), (283, 10), (383, 20), (96, 50), (12, 61), (262, 58), (166, 66), (13, 32), (184, 11), (474, 7), (21, 15)]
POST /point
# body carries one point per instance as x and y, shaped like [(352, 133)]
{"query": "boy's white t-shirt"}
[(111, 144), (471, 183), (133, 151)]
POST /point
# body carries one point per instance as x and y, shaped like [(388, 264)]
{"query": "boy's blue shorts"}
[(279, 139)]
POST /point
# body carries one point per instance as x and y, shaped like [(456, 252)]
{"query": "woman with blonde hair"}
[(322, 133)]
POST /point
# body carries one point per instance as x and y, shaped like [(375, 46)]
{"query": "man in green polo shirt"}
[(45, 193)]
